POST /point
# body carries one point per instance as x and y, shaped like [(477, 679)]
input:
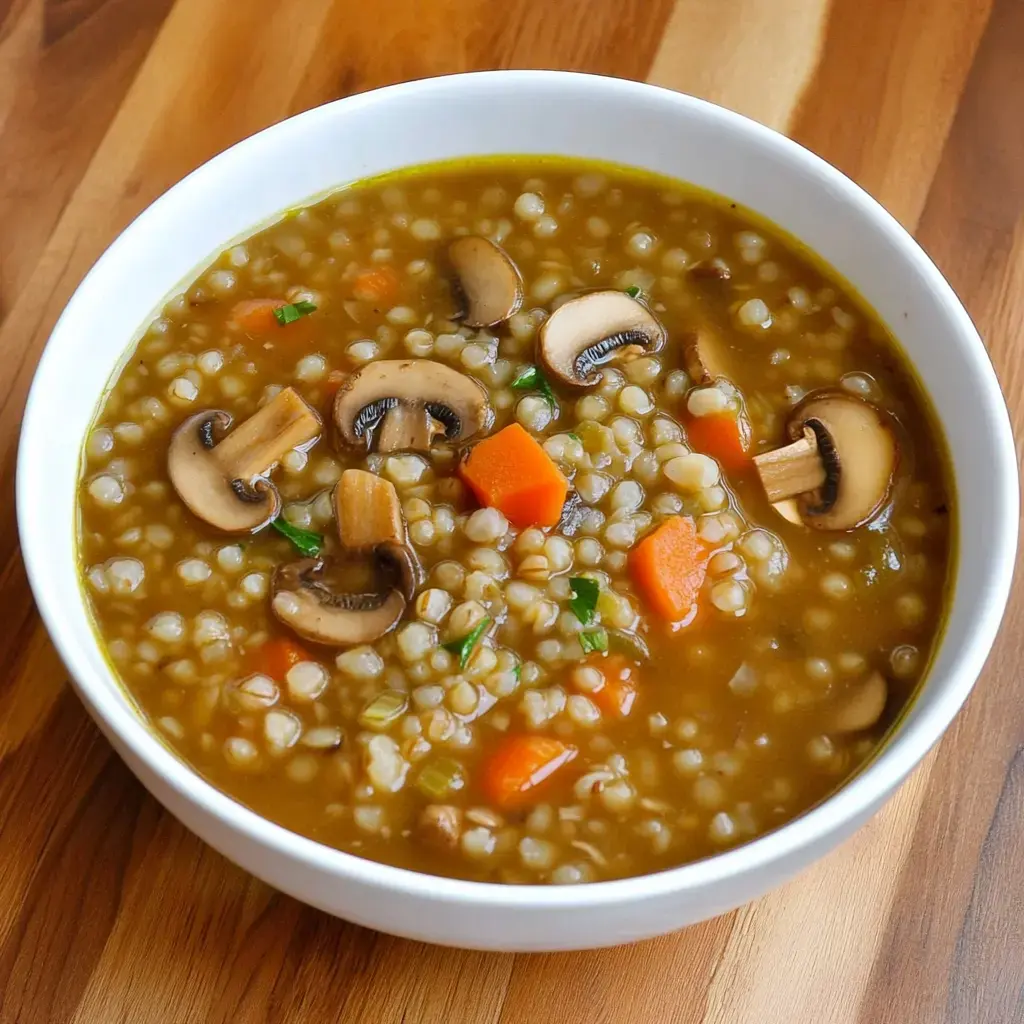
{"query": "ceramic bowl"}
[(499, 113)]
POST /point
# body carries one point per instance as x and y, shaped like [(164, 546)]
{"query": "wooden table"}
[(109, 910)]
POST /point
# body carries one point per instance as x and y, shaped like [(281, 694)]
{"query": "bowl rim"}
[(857, 797)]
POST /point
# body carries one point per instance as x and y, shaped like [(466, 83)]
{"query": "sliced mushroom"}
[(486, 280), (839, 466), (413, 402), (222, 476), (362, 594), (309, 601), (368, 511), (862, 707), (704, 356), (594, 329)]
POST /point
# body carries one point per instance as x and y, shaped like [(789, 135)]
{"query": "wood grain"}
[(109, 910)]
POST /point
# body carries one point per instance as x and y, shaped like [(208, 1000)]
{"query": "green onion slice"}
[(387, 707), (440, 777)]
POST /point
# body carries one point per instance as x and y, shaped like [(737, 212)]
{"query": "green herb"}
[(634, 292), (385, 708), (576, 437), (289, 314), (532, 379), (440, 777), (527, 378), (592, 640), (518, 670), (584, 598), (463, 647), (307, 543)]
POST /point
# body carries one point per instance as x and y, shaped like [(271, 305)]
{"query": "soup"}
[(525, 520)]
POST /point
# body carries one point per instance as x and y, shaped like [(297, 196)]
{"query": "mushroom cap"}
[(593, 329), (704, 355), (401, 562), (861, 707), (230, 505), (305, 602), (486, 280), (414, 392), (858, 449), (789, 509)]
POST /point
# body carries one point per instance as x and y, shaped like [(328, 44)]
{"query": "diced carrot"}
[(257, 315), (517, 768), (722, 436), (276, 656), (668, 567), (511, 472), (617, 694), (379, 284), (256, 318)]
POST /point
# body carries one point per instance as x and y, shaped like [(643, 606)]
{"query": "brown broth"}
[(731, 731)]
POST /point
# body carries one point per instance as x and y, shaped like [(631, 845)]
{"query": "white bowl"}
[(493, 113)]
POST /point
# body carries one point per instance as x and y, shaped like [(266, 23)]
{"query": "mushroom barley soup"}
[(523, 521)]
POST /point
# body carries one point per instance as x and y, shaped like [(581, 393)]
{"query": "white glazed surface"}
[(494, 113)]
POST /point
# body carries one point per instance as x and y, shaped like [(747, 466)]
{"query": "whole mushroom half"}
[(408, 404), (839, 467), (221, 474), (485, 280), (358, 596), (594, 329)]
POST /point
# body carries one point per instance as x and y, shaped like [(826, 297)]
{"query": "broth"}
[(671, 668)]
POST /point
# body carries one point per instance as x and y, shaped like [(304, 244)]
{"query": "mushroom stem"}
[(368, 511), (793, 470), (267, 436), (408, 428)]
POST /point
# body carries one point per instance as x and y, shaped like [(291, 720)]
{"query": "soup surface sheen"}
[(571, 639)]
